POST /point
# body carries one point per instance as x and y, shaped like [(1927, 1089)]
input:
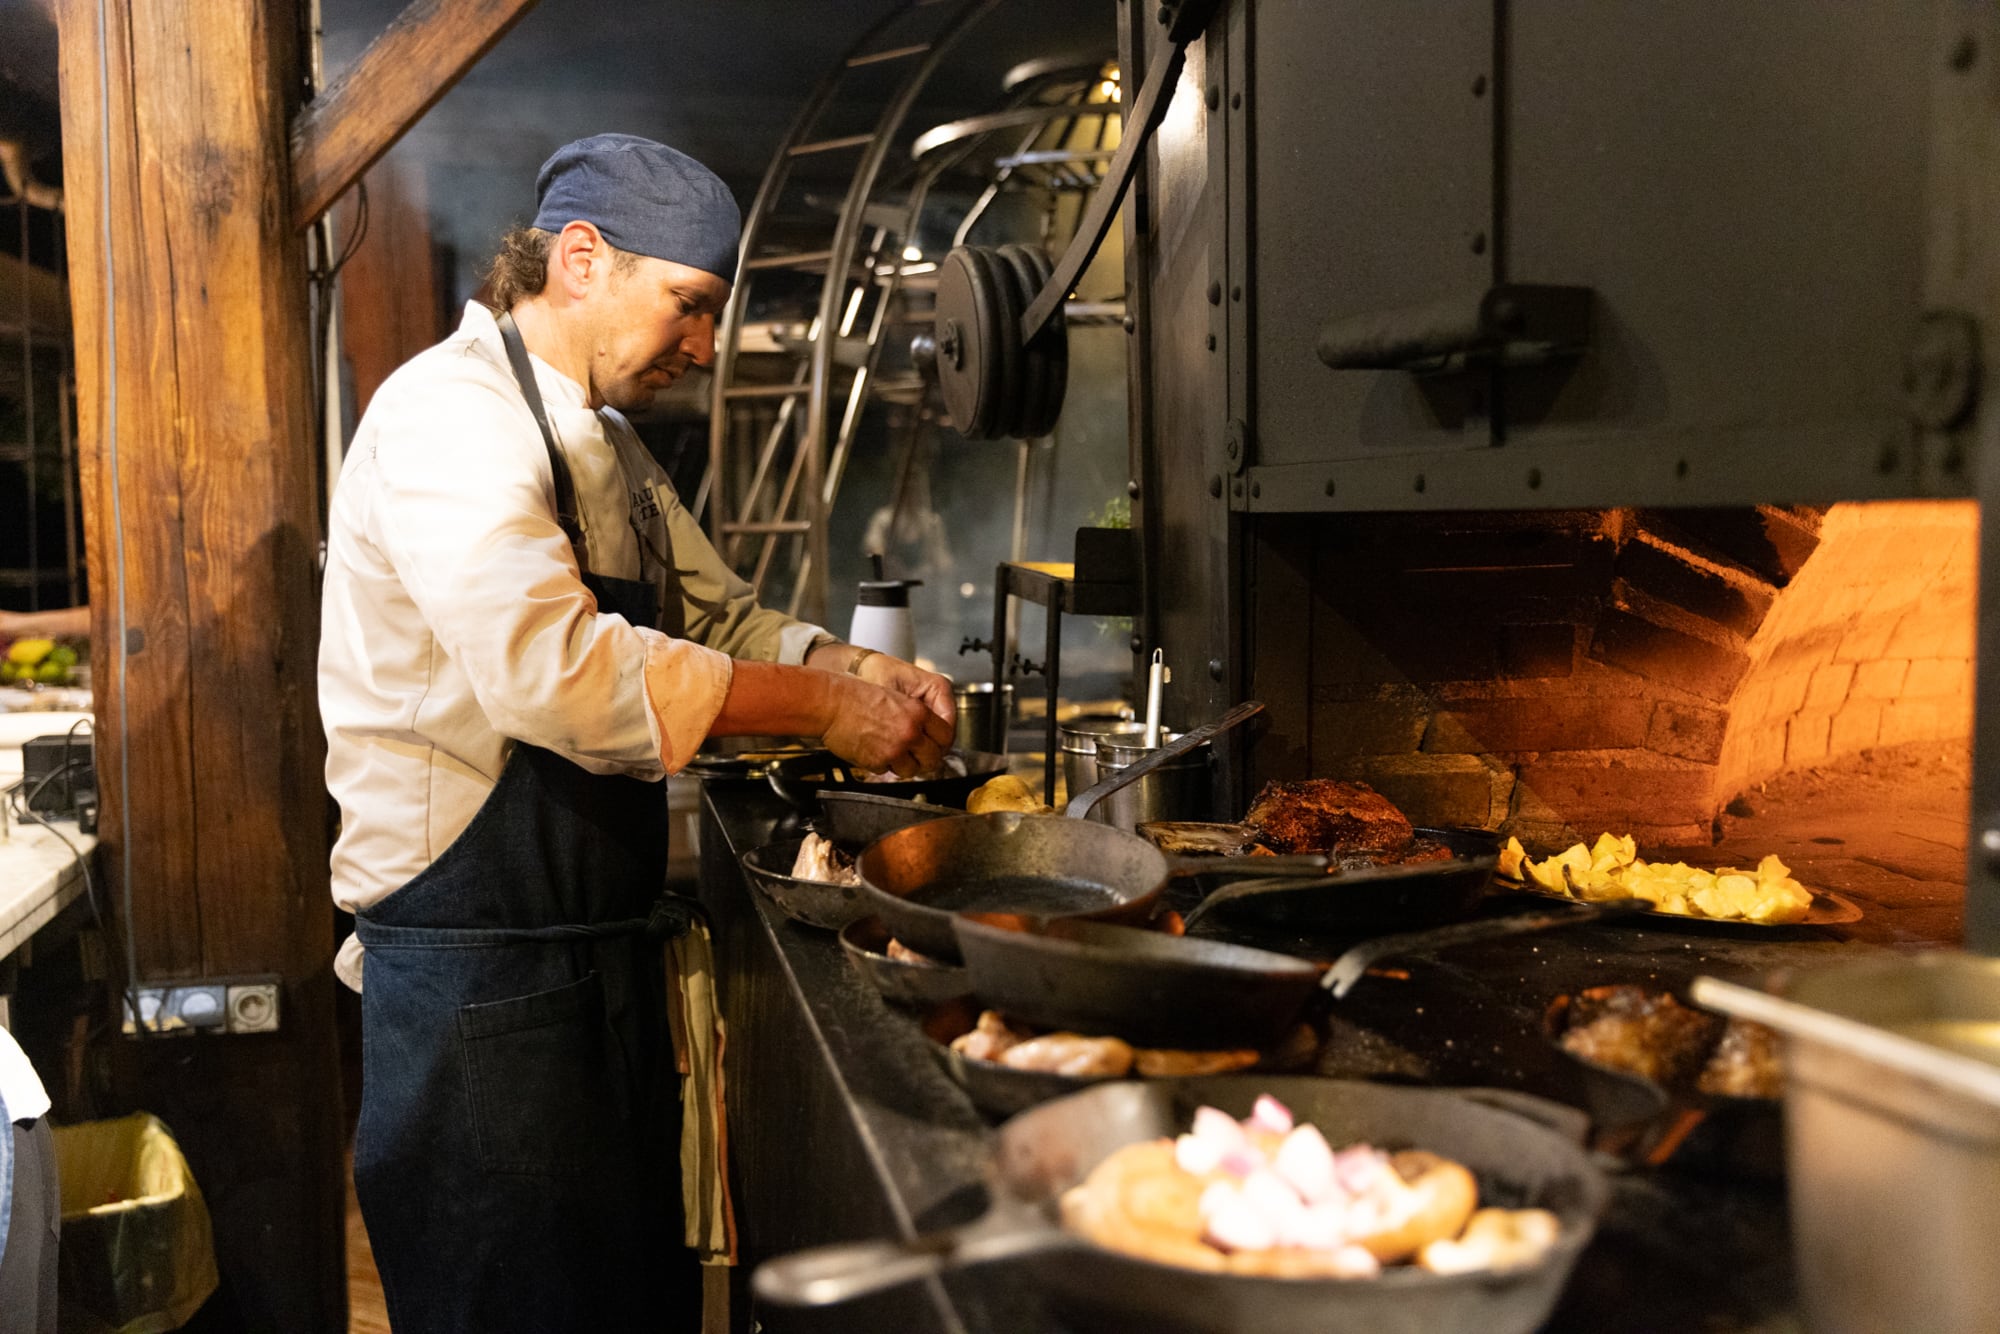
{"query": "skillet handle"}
[(802, 794), (1572, 1123), (1350, 967), (1287, 867), (830, 1275)]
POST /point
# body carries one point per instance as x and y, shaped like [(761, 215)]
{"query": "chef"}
[(524, 631)]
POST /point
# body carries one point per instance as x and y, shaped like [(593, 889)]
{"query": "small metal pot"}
[(1178, 790), (1078, 740), (983, 716)]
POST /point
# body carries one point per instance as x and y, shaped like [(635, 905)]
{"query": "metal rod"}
[(28, 425)]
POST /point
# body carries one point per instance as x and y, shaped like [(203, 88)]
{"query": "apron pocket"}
[(535, 1075)]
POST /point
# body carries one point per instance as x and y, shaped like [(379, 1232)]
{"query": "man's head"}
[(631, 253)]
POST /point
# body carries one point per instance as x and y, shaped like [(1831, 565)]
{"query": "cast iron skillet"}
[(852, 820), (799, 779), (1032, 866), (1001, 1090), (1376, 898), (812, 902), (905, 981), (1040, 1154), (1157, 990)]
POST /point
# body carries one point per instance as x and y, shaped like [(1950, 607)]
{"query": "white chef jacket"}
[(21, 1092), (454, 621)]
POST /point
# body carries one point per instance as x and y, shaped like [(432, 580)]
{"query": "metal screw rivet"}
[(1129, 323), (1256, 490), (1214, 97), (1215, 669), (1534, 478), (1330, 488), (1420, 481), (1681, 468), (1891, 459), (1132, 489), (1238, 487), (1479, 86), (1211, 342), (1215, 484), (1964, 53), (1236, 294), (1479, 243), (1215, 294), (1236, 102)]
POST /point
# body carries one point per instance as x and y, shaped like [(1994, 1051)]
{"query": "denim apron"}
[(517, 1158)]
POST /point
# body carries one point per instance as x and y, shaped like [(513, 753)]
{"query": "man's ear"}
[(578, 258)]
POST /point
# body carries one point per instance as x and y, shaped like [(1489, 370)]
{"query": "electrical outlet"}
[(253, 1008), (246, 1005)]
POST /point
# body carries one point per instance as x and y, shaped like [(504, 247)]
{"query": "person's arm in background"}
[(722, 612), (60, 623)]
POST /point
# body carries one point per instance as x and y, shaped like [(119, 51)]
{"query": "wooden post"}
[(196, 428)]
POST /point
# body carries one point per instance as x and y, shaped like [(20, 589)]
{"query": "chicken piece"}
[(989, 1039), (1495, 1239), (1647, 1033), (1071, 1054), (1745, 1064), (1328, 815), (1162, 1063), (820, 860), (902, 953)]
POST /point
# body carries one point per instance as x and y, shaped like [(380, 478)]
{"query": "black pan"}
[(1370, 898), (1042, 1153), (852, 820), (1002, 1090), (905, 981), (800, 778), (1646, 1121), (812, 902), (1158, 990), (1031, 866)]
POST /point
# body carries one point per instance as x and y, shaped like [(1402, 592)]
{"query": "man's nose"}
[(700, 345)]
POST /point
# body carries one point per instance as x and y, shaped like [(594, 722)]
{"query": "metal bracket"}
[(1185, 20)]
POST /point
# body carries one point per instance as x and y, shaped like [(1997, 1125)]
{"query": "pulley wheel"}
[(1019, 418), (977, 344)]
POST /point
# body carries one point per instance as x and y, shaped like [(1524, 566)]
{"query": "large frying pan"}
[(1040, 1154), (800, 778), (1156, 990), (1029, 866)]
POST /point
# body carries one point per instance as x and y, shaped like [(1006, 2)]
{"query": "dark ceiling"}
[(720, 79)]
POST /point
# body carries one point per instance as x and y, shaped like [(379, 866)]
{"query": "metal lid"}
[(1115, 753), (1080, 736)]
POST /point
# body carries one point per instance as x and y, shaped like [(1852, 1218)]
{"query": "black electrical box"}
[(59, 775)]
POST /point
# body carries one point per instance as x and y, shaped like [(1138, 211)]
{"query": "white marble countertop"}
[(39, 877)]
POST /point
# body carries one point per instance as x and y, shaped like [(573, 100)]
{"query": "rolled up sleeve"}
[(464, 512)]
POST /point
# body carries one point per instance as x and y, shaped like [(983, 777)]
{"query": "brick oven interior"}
[(1732, 680)]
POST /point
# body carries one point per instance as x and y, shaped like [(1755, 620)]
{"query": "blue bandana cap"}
[(643, 197)]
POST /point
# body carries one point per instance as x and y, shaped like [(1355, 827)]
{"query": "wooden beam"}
[(373, 103), (200, 473)]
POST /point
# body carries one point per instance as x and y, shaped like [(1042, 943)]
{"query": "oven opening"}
[(1726, 682)]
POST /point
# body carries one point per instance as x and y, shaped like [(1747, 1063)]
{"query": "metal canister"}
[(983, 716), (1177, 790), (1892, 1127), (1078, 739)]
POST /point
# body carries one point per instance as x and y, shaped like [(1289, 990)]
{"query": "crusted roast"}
[(1328, 815)]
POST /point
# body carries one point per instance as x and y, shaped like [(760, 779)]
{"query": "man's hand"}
[(879, 728), (927, 688)]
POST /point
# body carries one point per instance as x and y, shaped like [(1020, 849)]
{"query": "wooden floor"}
[(366, 1312)]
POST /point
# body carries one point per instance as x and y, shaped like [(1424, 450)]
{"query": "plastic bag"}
[(137, 1255)]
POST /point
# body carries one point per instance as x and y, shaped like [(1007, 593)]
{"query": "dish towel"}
[(696, 1017)]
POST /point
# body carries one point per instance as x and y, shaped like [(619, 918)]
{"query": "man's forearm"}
[(768, 699), (65, 623)]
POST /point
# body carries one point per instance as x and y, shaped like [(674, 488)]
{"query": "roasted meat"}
[(1745, 1064), (1328, 815), (1648, 1033)]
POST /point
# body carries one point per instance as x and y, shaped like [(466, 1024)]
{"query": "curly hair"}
[(520, 269)]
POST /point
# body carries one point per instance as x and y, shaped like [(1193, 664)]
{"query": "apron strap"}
[(524, 375)]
